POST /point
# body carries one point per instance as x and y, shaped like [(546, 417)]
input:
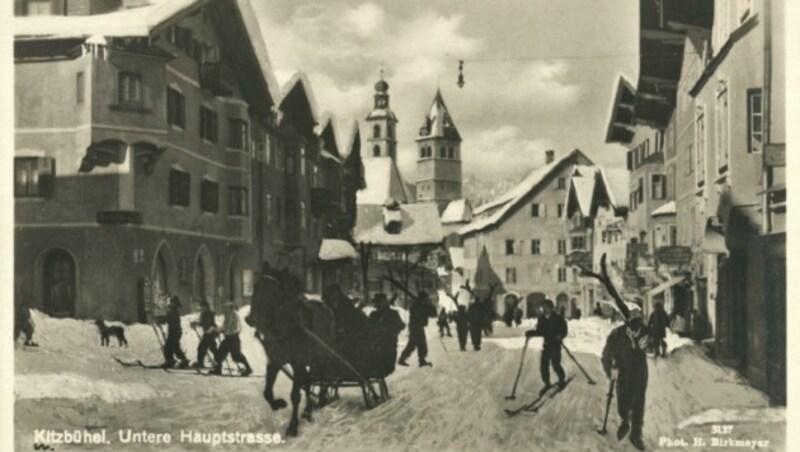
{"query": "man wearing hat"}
[(421, 310), (208, 342), (231, 327), (172, 346), (385, 325), (553, 328), (624, 359)]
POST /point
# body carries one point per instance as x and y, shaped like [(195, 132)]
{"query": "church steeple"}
[(382, 124), (439, 160)]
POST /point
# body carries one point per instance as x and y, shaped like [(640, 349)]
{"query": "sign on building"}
[(674, 255)]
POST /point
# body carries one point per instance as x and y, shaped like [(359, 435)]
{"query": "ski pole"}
[(519, 371), (610, 396), (591, 382)]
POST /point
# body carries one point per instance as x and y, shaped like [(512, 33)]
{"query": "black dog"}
[(107, 331)]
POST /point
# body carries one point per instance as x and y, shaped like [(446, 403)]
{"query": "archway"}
[(532, 304), (203, 278), (59, 283), (163, 279)]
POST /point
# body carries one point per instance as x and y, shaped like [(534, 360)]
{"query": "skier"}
[(172, 346), (421, 309), (231, 327), (385, 324), (23, 323), (462, 326), (624, 360), (553, 328), (476, 323), (444, 324), (658, 328), (209, 340)]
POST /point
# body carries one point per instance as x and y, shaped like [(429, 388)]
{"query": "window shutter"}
[(47, 170)]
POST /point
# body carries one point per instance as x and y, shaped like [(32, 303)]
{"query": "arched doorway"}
[(532, 304), (59, 284), (203, 278)]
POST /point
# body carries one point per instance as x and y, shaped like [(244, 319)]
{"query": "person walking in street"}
[(419, 313), (385, 325), (172, 345), (624, 360), (658, 328), (208, 342), (231, 327), (462, 326), (553, 328), (475, 313), (444, 324)]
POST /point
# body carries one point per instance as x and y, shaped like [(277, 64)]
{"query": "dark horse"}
[(284, 318)]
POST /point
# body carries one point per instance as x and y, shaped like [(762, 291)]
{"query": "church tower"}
[(439, 157), (381, 125)]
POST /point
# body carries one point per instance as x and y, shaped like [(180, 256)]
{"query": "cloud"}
[(505, 150)]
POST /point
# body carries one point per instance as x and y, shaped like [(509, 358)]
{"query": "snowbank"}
[(69, 386), (737, 416)]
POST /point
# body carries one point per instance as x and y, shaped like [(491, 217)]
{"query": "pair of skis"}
[(204, 371), (546, 395)]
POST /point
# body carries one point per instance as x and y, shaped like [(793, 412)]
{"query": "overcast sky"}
[(539, 74)]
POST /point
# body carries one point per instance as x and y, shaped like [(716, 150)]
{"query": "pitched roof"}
[(665, 209), (621, 116), (383, 182), (438, 123), (419, 225), (495, 211), (300, 80), (458, 211), (583, 188)]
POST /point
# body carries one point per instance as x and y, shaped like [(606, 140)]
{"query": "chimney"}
[(549, 156)]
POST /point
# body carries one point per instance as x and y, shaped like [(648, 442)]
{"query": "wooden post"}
[(365, 251)]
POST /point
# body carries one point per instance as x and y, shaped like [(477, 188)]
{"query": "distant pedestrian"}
[(231, 327), (208, 341), (476, 324), (23, 323), (172, 346), (518, 316), (421, 310), (462, 326), (658, 328), (624, 360), (553, 328), (444, 324)]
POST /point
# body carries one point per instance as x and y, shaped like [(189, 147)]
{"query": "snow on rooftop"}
[(419, 225), (457, 211), (616, 180), (383, 182), (335, 249), (583, 187), (666, 209), (300, 78)]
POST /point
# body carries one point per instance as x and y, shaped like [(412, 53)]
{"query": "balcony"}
[(216, 79)]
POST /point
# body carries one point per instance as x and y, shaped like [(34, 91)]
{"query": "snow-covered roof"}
[(616, 180), (456, 256), (141, 21), (506, 202), (419, 225), (438, 123), (335, 249), (665, 209), (458, 211), (583, 187), (346, 133), (383, 182), (300, 78)]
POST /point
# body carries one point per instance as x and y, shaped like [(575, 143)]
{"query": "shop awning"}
[(714, 241), (665, 285), (335, 249)]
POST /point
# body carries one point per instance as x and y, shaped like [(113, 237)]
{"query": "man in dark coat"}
[(172, 345), (351, 323), (208, 342), (624, 359), (421, 310), (462, 326), (475, 313), (444, 324), (553, 328), (385, 325), (658, 328)]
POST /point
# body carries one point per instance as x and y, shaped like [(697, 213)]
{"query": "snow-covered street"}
[(71, 382)]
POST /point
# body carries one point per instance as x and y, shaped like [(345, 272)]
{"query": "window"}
[(130, 88), (658, 187), (237, 201), (289, 163), (451, 154), (755, 118), (562, 274), (673, 235), (209, 196), (578, 243), (640, 191), (269, 208), (535, 210), (80, 87), (560, 210), (376, 151), (302, 160), (208, 124), (700, 146), (179, 187), (237, 134), (630, 160), (562, 247), (303, 217), (422, 152), (176, 108), (39, 8), (34, 177), (442, 152), (536, 246), (562, 183), (509, 247), (376, 131), (722, 136), (511, 275)]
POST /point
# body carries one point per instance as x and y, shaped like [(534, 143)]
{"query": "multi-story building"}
[(133, 155), (520, 240)]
